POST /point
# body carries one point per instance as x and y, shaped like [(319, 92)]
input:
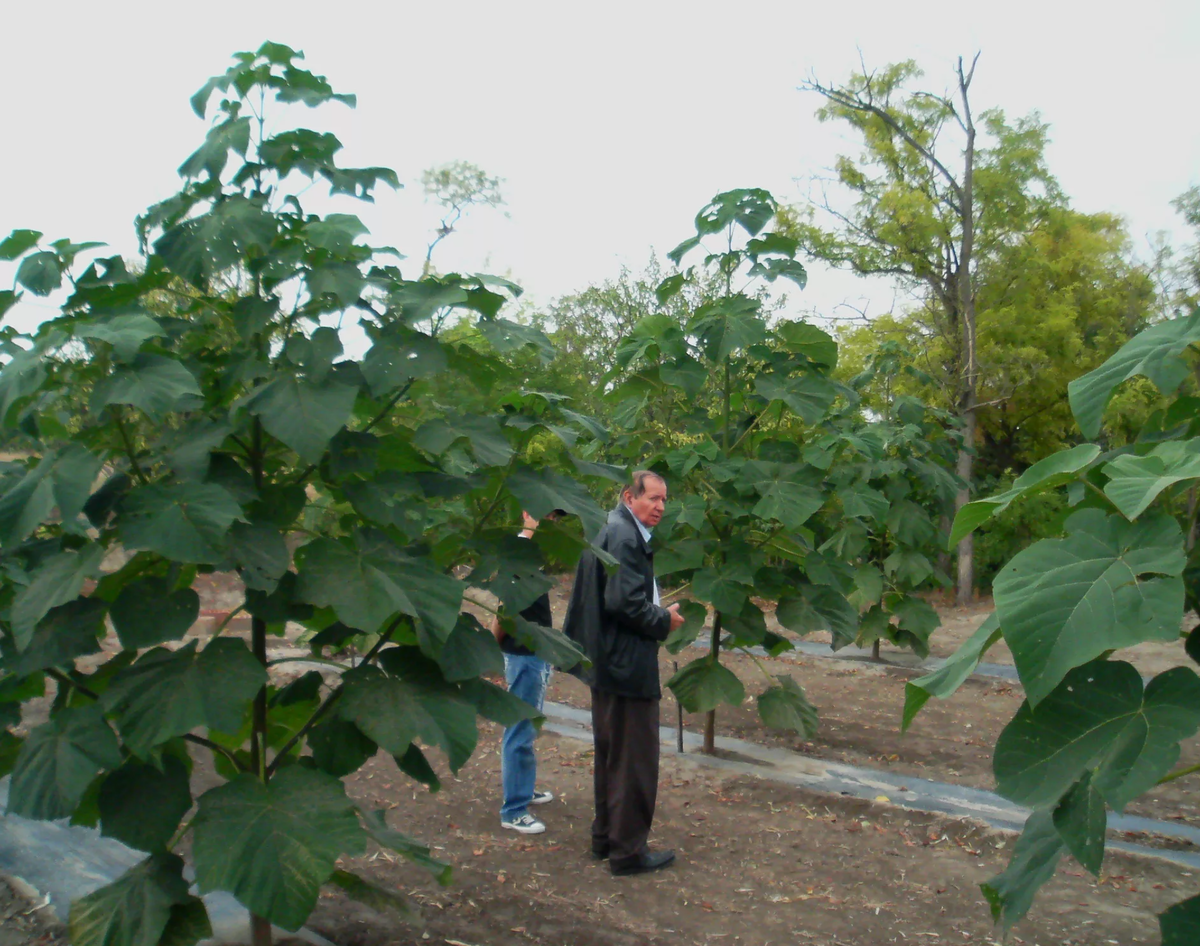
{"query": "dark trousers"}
[(626, 773)]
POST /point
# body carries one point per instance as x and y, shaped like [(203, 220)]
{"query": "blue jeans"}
[(527, 678)]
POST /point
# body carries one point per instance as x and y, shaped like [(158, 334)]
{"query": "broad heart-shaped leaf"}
[(944, 681), (124, 332), (511, 569), (339, 747), (170, 693), (377, 898), (470, 651), (62, 478), (71, 630), (809, 396), (1035, 858), (863, 502), (367, 584), (1135, 482), (1052, 471), (212, 156), (725, 587), (377, 827), (394, 712), (1065, 601), (304, 415), (507, 336), (203, 247), (694, 615), (484, 434), (540, 492), (188, 925), (399, 356), (40, 273), (17, 243), (58, 761), (272, 846), (815, 344), (260, 553), (786, 707), (1180, 925), (916, 621), (57, 581), (678, 556), (134, 909), (819, 608), (141, 805), (751, 208), (728, 324), (786, 498), (498, 705), (1154, 353), (155, 384), (705, 683), (1098, 718), (1081, 821), (147, 612), (184, 522), (552, 646)]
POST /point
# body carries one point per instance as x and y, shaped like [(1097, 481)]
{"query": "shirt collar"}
[(646, 533)]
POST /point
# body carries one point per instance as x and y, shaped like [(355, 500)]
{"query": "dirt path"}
[(759, 864)]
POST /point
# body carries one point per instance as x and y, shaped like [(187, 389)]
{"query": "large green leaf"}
[(272, 846), (71, 630), (1180, 925), (1154, 353), (704, 684), (540, 492), (1107, 584), (815, 344), (786, 707), (944, 681), (863, 502), (339, 747), (202, 247), (125, 333), (377, 827), (142, 804), (170, 693), (58, 762), (497, 704), (185, 522), (1098, 719), (809, 396), (17, 243), (785, 497), (1081, 821), (726, 325), (212, 156), (40, 273), (62, 478), (396, 359), (470, 651), (154, 384), (261, 554), (367, 584), (484, 434), (819, 608), (1135, 482), (551, 645), (135, 909), (393, 712), (302, 414), (694, 615), (379, 899), (1035, 858), (1052, 471), (148, 612), (57, 581), (725, 587)]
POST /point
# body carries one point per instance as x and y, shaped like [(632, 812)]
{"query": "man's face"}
[(648, 508)]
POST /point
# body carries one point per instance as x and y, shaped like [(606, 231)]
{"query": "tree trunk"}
[(710, 718), (260, 930), (966, 300), (875, 651)]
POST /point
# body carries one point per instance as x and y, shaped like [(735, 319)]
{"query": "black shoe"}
[(600, 851), (642, 863)]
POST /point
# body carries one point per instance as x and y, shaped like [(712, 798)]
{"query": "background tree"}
[(926, 210)]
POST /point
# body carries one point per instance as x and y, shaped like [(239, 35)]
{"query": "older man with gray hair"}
[(619, 622)]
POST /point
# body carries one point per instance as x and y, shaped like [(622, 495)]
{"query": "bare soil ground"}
[(760, 863)]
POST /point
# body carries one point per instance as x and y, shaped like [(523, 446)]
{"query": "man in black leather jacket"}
[(619, 623)]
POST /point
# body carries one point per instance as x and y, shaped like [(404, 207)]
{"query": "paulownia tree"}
[(1092, 734), (196, 413)]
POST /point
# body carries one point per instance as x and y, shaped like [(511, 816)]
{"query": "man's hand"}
[(676, 617)]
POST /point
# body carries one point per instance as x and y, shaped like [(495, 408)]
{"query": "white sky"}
[(611, 123)]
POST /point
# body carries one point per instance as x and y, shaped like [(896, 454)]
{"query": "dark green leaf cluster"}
[(196, 413), (1091, 734)]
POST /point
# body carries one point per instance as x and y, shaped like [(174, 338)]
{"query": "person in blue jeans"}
[(527, 676)]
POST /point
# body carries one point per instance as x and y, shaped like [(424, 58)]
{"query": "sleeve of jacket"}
[(625, 595)]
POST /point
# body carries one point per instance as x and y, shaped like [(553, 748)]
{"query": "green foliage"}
[(1090, 734), (196, 412)]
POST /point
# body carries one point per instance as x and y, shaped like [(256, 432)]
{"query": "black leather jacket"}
[(613, 618)]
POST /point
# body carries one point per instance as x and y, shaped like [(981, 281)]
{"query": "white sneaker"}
[(524, 824), (541, 798)]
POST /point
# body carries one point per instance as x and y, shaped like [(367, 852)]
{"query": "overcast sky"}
[(610, 123)]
